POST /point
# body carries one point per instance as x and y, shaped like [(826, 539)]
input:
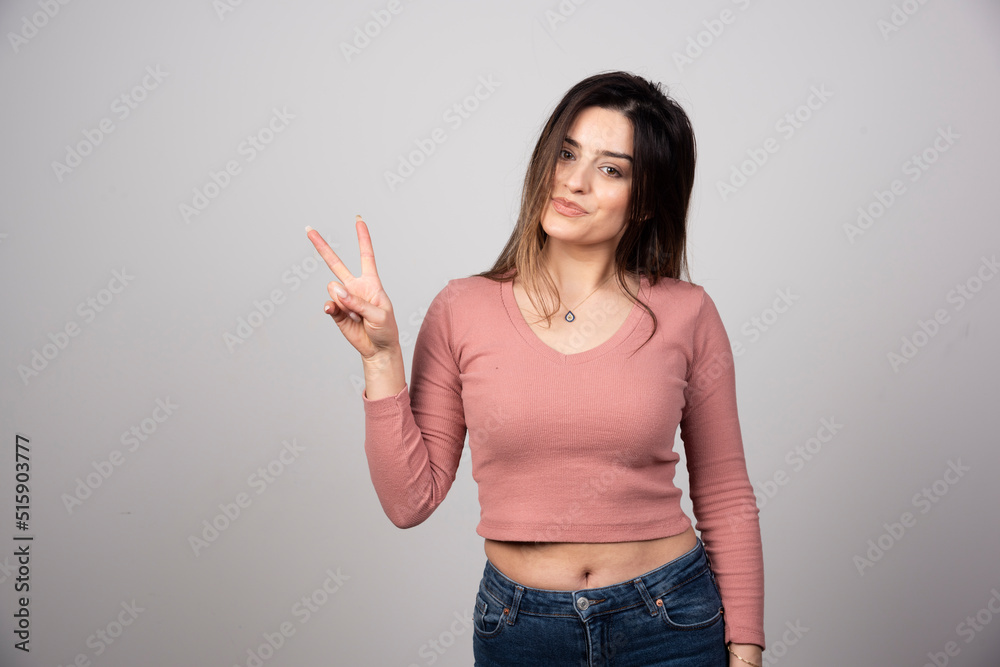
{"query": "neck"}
[(577, 273)]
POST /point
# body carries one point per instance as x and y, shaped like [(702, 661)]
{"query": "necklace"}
[(569, 313)]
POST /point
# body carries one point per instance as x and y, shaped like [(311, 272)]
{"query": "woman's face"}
[(589, 200)]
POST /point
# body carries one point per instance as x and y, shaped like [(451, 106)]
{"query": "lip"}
[(567, 208)]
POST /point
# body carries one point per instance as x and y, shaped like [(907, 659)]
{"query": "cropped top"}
[(577, 447)]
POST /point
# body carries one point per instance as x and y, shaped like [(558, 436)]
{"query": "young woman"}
[(570, 364)]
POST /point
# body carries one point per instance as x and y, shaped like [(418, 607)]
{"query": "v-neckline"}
[(532, 339)]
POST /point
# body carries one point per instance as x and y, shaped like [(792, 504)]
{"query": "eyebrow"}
[(622, 156)]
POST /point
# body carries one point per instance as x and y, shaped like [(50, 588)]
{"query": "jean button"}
[(582, 603)]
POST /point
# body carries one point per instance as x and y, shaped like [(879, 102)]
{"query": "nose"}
[(573, 176)]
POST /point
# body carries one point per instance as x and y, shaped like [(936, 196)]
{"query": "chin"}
[(552, 220)]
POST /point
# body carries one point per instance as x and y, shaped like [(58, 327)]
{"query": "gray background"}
[(405, 597)]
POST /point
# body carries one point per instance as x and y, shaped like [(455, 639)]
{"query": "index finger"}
[(329, 256)]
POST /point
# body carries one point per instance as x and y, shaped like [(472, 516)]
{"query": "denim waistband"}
[(587, 602)]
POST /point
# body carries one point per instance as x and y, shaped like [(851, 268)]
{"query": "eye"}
[(613, 172), (565, 154)]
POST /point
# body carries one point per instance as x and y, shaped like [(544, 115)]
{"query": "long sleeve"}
[(725, 509), (414, 440)]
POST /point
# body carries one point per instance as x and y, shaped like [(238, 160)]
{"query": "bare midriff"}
[(570, 566)]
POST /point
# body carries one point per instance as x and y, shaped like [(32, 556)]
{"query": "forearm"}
[(731, 532)]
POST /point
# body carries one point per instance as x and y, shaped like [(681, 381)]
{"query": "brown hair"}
[(654, 240)]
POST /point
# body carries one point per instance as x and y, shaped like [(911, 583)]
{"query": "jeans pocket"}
[(489, 616), (693, 605)]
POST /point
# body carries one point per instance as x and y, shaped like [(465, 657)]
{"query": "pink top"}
[(578, 447)]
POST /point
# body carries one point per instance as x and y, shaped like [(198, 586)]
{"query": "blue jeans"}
[(668, 616)]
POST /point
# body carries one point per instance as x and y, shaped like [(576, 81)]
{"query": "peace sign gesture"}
[(360, 306)]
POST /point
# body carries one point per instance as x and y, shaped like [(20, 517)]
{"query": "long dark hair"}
[(654, 242)]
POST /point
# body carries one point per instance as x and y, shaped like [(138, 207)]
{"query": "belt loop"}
[(512, 616), (704, 552), (641, 587)]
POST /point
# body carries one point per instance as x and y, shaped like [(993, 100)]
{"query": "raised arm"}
[(414, 439), (413, 448)]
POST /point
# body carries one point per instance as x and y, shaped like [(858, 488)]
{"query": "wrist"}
[(384, 374), (383, 358), (745, 654)]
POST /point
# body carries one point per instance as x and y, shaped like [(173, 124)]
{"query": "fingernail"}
[(308, 229), (354, 316), (327, 309), (341, 292), (357, 217)]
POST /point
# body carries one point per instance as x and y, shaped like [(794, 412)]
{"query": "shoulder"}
[(459, 308), (677, 296), (463, 300), (469, 289)]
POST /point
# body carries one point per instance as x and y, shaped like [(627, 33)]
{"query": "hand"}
[(750, 652), (364, 315)]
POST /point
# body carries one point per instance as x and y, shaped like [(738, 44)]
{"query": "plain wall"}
[(874, 553)]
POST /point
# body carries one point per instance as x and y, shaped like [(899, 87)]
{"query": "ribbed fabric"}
[(579, 447)]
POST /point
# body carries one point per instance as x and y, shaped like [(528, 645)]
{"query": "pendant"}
[(570, 316)]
